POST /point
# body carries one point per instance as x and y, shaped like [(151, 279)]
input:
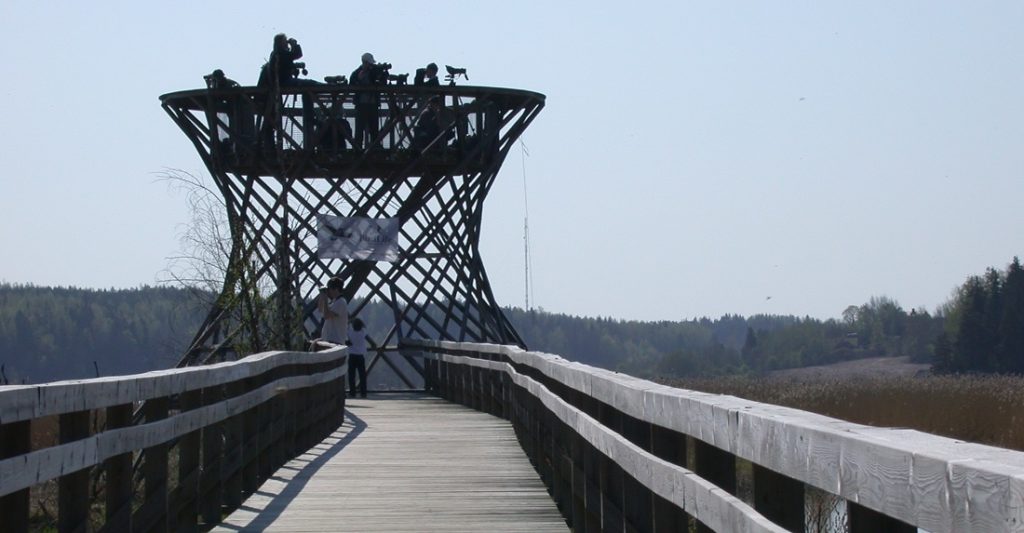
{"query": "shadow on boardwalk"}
[(294, 478), (420, 464)]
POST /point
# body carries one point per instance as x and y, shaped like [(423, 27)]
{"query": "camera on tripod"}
[(454, 73), (379, 73), (399, 79), (299, 68)]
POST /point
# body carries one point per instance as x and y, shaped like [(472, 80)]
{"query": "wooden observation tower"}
[(289, 166)]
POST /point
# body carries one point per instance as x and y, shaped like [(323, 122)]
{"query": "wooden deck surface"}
[(405, 463)]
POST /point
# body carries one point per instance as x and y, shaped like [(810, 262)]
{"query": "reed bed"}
[(978, 408)]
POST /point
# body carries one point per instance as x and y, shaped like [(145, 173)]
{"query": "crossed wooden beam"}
[(282, 157)]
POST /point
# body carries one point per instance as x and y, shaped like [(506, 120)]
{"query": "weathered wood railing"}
[(624, 454), (208, 436)]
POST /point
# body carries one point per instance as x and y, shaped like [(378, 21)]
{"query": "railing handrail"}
[(930, 481), (25, 402), (718, 509), (466, 91)]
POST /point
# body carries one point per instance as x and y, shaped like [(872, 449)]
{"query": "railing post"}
[(463, 386), (210, 487), (611, 474), (592, 486), (428, 374), (119, 475), (779, 498), (152, 515), (449, 382), (864, 520), (15, 440), (488, 393), (277, 418), (638, 503), (506, 396), (339, 386), (73, 488), (612, 516), (670, 446), (263, 441), (564, 466), (250, 443), (473, 374), (186, 494), (577, 511), (232, 452), (291, 415), (716, 466)]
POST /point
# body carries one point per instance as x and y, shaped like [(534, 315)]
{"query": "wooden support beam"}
[(73, 488), (152, 517), (779, 498), (670, 446), (210, 480), (232, 464), (15, 440), (715, 465), (187, 491), (638, 504), (118, 471)]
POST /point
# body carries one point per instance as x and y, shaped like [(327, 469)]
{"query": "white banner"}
[(363, 239)]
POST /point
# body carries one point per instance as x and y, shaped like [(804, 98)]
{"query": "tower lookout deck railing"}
[(314, 131)]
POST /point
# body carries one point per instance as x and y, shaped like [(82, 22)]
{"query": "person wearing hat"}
[(367, 103)]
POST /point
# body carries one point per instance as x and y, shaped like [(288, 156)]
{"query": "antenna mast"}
[(527, 281)]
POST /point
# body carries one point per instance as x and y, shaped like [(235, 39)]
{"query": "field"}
[(891, 393)]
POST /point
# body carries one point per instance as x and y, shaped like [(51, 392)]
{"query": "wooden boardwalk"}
[(405, 463)]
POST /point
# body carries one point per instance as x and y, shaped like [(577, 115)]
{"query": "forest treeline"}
[(980, 329), (48, 334), (733, 344), (985, 324)]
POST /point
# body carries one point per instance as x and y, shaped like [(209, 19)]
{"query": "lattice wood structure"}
[(283, 156)]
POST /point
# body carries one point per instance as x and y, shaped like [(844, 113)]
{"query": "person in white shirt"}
[(357, 357), (334, 309)]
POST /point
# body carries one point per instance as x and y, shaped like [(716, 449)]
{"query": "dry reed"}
[(977, 408)]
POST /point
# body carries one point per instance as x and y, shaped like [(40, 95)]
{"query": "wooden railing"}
[(624, 454), (202, 439)]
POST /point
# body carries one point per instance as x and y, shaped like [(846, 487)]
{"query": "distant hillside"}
[(49, 334), (732, 344)]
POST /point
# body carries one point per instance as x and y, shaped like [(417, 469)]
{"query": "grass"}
[(982, 409)]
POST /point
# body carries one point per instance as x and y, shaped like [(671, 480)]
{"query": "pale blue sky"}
[(693, 158)]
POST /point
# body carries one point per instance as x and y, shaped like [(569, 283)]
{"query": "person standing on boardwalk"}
[(357, 357), (334, 309)]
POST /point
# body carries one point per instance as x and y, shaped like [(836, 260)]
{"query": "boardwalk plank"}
[(405, 463)]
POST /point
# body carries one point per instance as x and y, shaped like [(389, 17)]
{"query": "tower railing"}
[(314, 131), (620, 453)]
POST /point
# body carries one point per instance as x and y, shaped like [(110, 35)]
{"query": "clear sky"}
[(693, 159)]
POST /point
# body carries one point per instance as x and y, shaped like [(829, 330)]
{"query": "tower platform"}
[(310, 131)]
